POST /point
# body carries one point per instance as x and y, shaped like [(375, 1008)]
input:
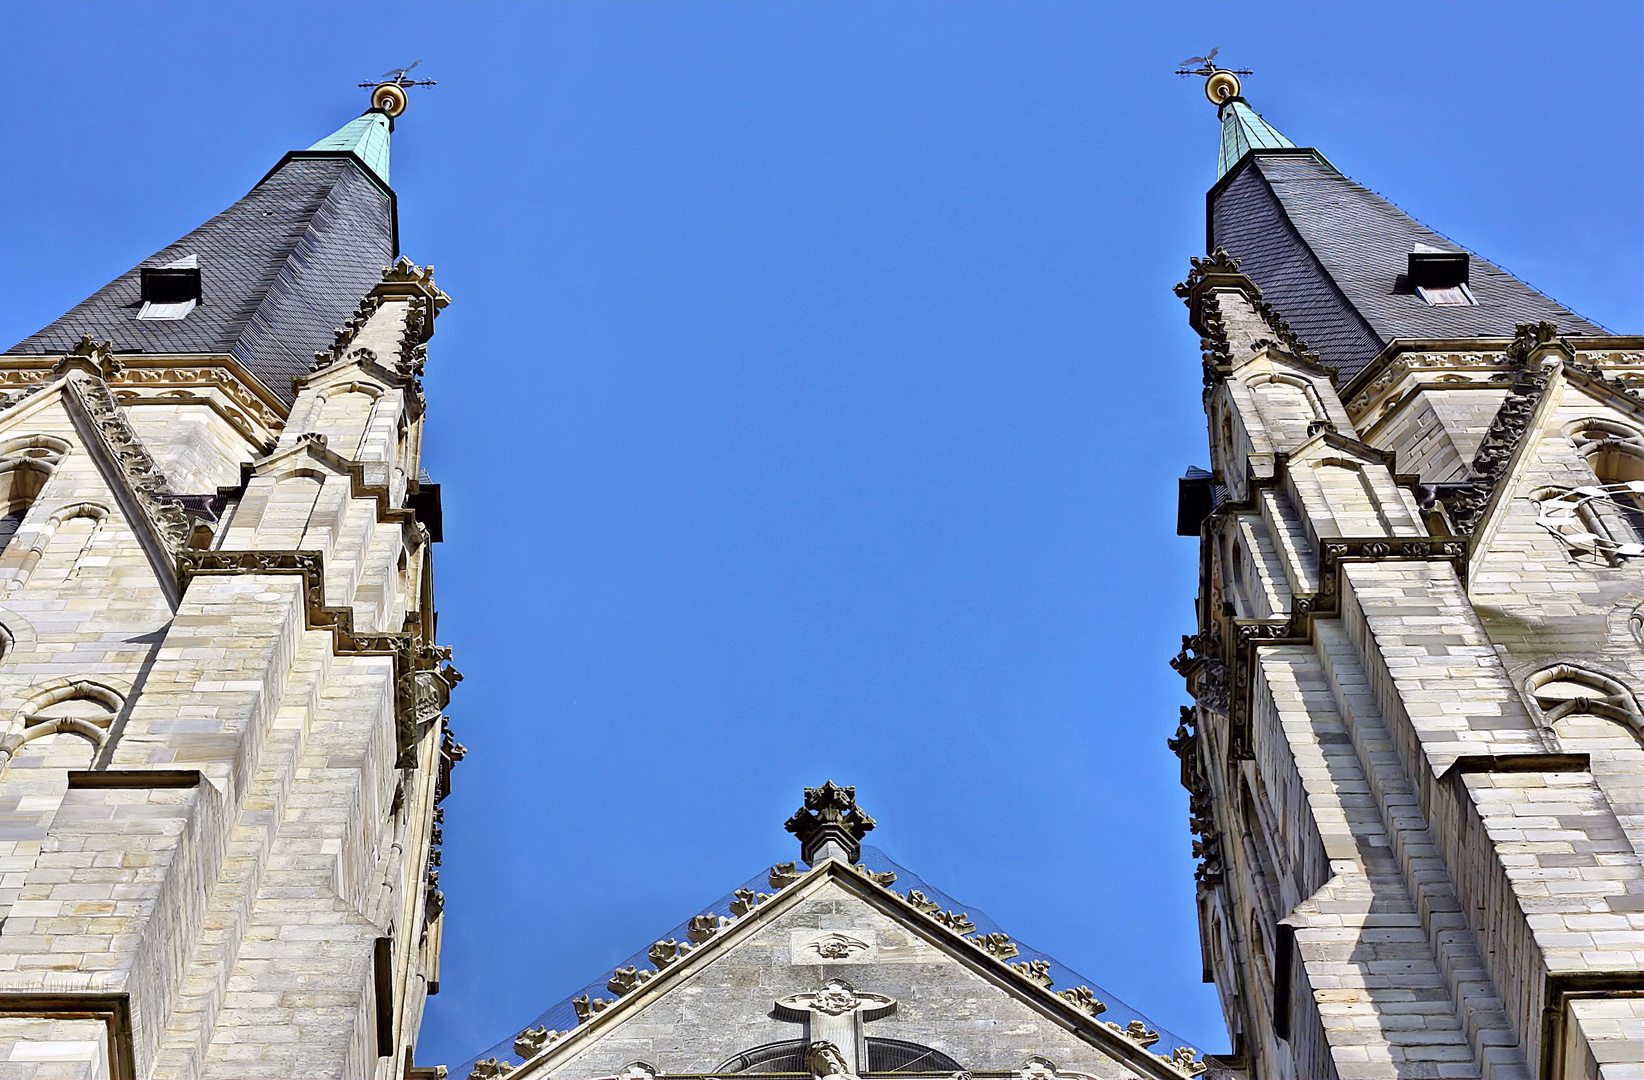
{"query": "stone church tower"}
[(1415, 761), (220, 696)]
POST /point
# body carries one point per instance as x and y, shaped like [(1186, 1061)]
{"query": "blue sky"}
[(812, 398)]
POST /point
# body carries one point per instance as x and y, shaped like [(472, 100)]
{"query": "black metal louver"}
[(170, 284)]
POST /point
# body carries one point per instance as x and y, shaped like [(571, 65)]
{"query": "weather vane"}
[(1221, 84), (388, 89)]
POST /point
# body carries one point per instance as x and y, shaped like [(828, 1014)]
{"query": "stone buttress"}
[(1414, 757)]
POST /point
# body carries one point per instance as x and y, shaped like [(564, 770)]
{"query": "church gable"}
[(840, 973)]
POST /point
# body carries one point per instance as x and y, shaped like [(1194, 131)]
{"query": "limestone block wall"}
[(1452, 725), (217, 799)]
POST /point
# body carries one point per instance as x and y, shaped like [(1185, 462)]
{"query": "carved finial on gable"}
[(91, 356), (830, 825), (1533, 341)]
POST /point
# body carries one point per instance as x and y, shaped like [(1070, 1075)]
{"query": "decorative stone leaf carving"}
[(784, 874), (625, 979), (530, 1042), (703, 927), (1082, 999), (878, 877), (1136, 1031), (921, 902), (957, 921), (1183, 1059), (999, 945), (587, 1007), (746, 900), (664, 953), (1037, 970), (491, 1069)]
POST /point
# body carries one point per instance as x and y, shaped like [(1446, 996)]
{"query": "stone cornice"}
[(1609, 351), (157, 378)]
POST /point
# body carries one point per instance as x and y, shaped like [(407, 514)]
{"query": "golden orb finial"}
[(389, 98), (1221, 86)]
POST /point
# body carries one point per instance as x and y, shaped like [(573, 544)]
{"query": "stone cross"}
[(834, 1016)]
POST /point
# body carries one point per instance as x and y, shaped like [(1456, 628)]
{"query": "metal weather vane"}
[(398, 77), (1206, 65), (388, 90)]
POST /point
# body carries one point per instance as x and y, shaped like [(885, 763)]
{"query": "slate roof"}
[(1331, 256), (280, 269)]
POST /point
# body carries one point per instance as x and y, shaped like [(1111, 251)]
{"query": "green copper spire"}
[(1243, 131), (367, 137)]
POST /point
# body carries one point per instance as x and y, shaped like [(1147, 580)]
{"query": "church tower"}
[(1414, 756), (220, 693)]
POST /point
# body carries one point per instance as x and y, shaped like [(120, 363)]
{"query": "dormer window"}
[(171, 291), (1440, 277)]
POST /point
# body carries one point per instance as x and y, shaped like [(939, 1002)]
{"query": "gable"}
[(933, 987)]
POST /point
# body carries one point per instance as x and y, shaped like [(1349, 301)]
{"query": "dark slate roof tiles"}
[(279, 270), (1331, 256)]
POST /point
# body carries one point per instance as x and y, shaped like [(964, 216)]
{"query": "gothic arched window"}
[(25, 465), (1597, 715), (884, 1056)]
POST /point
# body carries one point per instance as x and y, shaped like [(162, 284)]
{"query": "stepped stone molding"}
[(418, 667)]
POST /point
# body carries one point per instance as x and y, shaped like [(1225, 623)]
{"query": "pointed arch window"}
[(1596, 714), (26, 463)]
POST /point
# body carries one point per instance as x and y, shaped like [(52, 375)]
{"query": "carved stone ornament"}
[(1081, 998), (589, 1007), (1136, 1031), (1037, 1068), (836, 945), (92, 357), (834, 1016), (884, 878), (531, 1041), (1183, 1060), (784, 874), (1035, 971), (746, 900), (826, 1059), (1568, 515), (1467, 502), (703, 927), (169, 521), (491, 1069), (996, 945), (830, 823)]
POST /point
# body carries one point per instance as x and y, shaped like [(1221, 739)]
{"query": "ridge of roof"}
[(941, 915)]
